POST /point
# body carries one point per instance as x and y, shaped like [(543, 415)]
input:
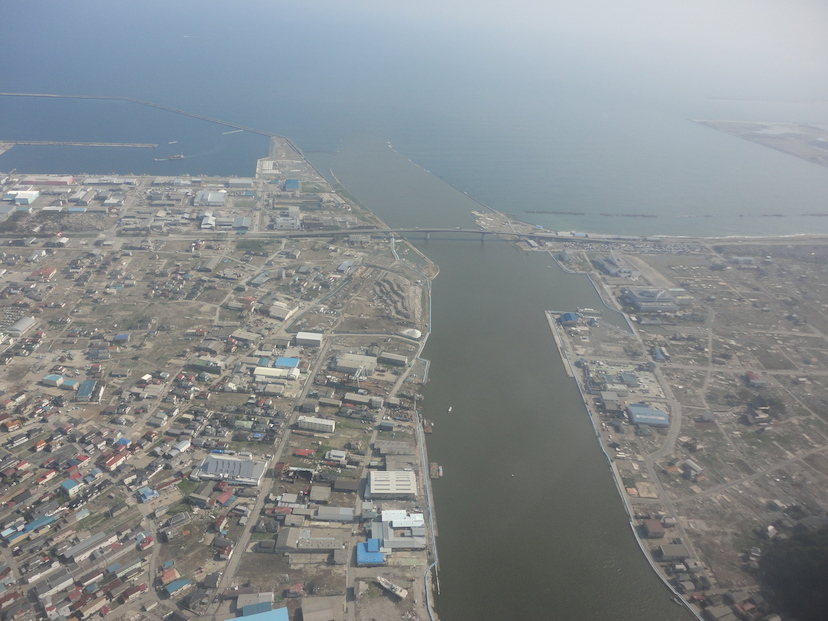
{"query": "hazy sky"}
[(716, 48)]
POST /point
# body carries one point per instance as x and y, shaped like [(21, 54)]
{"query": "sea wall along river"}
[(530, 522)]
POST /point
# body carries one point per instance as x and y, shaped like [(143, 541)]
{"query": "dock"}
[(550, 318), (72, 143), (141, 102), (434, 470)]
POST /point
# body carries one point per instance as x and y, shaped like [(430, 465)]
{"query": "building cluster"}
[(112, 454)]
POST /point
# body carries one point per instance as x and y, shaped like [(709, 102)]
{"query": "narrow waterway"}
[(530, 523)]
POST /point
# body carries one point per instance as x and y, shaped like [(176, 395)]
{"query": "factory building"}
[(48, 180), (393, 359), (21, 326), (399, 484), (233, 470), (209, 198), (641, 414), (26, 197), (310, 339), (351, 363), (262, 374), (650, 300)]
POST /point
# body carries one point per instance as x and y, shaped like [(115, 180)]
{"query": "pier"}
[(141, 102), (72, 143), (553, 325)]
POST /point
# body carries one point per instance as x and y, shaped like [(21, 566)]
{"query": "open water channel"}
[(530, 523)]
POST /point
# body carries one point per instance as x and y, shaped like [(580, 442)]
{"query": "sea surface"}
[(420, 117)]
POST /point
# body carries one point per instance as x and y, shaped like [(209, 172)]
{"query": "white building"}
[(311, 339), (210, 198), (392, 484), (312, 423), (267, 373), (280, 311)]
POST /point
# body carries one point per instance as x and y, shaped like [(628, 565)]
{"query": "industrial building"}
[(21, 326), (52, 380), (393, 359), (47, 180), (280, 311), (208, 198), (310, 339), (650, 300), (262, 374), (353, 363), (26, 197), (641, 414), (399, 484), (233, 470)]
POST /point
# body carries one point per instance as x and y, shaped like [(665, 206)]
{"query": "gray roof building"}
[(236, 470)]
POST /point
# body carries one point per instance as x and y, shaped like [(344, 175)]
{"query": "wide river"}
[(530, 523)]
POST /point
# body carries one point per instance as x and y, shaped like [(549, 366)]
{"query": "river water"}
[(530, 523)]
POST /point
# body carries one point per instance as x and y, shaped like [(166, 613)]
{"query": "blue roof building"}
[(68, 485), (291, 185), (568, 319), (145, 494), (255, 609), (368, 553), (280, 614), (286, 363), (85, 390), (176, 585), (43, 520), (641, 414)]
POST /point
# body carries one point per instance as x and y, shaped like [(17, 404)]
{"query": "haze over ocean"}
[(548, 108)]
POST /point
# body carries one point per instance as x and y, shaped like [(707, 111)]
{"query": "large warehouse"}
[(351, 363), (21, 326), (641, 414), (392, 484), (234, 470)]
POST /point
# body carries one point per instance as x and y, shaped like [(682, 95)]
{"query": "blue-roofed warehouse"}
[(568, 319), (280, 614), (641, 414), (255, 609), (368, 553), (85, 391), (291, 185), (286, 363)]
